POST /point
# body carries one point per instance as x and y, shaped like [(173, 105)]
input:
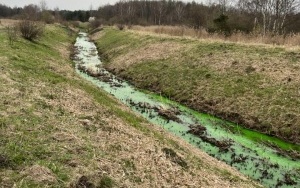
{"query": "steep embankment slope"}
[(58, 130), (256, 86)]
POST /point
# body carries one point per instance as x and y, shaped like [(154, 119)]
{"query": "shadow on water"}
[(270, 165)]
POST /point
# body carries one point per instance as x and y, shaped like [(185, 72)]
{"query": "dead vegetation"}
[(8, 23), (239, 37)]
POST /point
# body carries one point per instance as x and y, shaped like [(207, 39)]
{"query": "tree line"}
[(263, 16), (42, 13), (259, 16)]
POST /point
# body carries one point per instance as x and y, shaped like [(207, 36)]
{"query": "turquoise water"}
[(246, 154)]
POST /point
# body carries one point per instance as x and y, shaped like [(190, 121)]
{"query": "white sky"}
[(66, 4)]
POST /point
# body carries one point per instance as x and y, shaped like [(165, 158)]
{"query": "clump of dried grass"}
[(40, 174)]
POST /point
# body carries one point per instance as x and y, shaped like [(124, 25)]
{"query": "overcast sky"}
[(66, 4)]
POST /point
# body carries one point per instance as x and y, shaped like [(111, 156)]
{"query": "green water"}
[(249, 134), (247, 153)]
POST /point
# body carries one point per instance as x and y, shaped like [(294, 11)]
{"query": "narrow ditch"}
[(269, 165)]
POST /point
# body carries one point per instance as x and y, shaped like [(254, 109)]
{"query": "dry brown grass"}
[(40, 174), (8, 22), (239, 37), (150, 52)]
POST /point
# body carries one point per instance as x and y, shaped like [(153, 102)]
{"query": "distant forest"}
[(259, 16)]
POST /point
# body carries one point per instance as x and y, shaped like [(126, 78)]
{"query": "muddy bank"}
[(211, 107), (200, 131), (246, 121)]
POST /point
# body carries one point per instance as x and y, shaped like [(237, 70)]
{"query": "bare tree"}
[(130, 11), (160, 8), (282, 9), (223, 5), (91, 10), (120, 7), (57, 16), (179, 10), (273, 13), (43, 5), (30, 12)]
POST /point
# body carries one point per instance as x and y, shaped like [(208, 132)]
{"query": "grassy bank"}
[(57, 130), (256, 86)]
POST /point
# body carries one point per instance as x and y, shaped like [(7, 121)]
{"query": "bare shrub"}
[(47, 17), (31, 30), (95, 24), (12, 34)]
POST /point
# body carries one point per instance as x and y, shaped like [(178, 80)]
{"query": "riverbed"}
[(261, 161)]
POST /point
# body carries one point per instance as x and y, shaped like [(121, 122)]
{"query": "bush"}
[(47, 17), (95, 24), (31, 30), (106, 182), (222, 25)]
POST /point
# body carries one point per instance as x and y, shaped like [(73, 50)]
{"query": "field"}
[(254, 85), (289, 40), (58, 130)]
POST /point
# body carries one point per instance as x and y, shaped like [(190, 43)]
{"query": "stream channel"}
[(220, 139)]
